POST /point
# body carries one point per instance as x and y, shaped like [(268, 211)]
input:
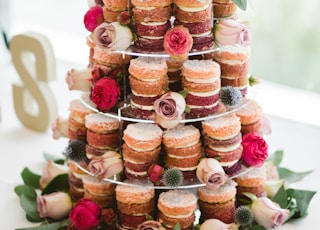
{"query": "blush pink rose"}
[(155, 173), (255, 150), (79, 79), (232, 32), (85, 214), (93, 18), (150, 225), (169, 109), (178, 42)]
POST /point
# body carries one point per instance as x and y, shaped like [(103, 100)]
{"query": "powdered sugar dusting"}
[(150, 62), (101, 121), (178, 198), (181, 131), (143, 131), (223, 121)]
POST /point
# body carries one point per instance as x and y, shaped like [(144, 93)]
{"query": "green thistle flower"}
[(230, 96), (172, 177), (243, 216), (76, 150)]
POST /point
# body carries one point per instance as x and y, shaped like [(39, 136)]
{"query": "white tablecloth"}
[(21, 147)]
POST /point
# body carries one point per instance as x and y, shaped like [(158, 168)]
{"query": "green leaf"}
[(256, 227), (292, 176), (176, 226), (59, 183), (52, 226), (29, 205), (277, 157), (25, 190), (30, 178), (303, 199), (242, 4), (49, 156), (281, 197)]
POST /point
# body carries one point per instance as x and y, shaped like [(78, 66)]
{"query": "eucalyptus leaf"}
[(52, 226), (292, 176), (176, 226), (25, 190), (242, 4), (281, 197), (55, 159), (277, 157), (303, 199), (29, 205), (30, 178), (59, 183)]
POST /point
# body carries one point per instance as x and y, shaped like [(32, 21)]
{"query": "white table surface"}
[(298, 136)]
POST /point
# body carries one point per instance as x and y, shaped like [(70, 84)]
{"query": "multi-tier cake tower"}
[(167, 99)]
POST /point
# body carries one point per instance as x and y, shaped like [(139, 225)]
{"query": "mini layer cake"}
[(151, 22), (223, 8), (218, 203), (76, 120), (112, 8), (234, 63), (202, 80), (148, 81), (182, 146), (252, 182), (174, 74), (134, 203), (251, 116), (103, 133), (222, 140), (141, 148), (75, 176), (100, 191), (177, 206), (197, 17)]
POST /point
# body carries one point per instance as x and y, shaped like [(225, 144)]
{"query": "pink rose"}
[(169, 109), (178, 42), (107, 165), (267, 213), (108, 216), (54, 205), (255, 150), (105, 93), (79, 79), (50, 171), (210, 172), (59, 128), (155, 173), (232, 32), (150, 225), (85, 214), (216, 224), (113, 36), (93, 18)]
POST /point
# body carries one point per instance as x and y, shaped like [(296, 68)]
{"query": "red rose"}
[(85, 214), (255, 150), (105, 93), (178, 42), (155, 173), (93, 18)]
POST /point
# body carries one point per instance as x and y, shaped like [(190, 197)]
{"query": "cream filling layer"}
[(225, 137), (228, 164), (136, 173), (143, 107), (178, 216), (194, 9), (211, 79), (153, 23), (143, 95), (205, 94), (182, 157), (201, 35), (225, 149)]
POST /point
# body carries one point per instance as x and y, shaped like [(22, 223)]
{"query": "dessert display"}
[(165, 127)]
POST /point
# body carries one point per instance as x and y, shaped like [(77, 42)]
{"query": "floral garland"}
[(54, 208)]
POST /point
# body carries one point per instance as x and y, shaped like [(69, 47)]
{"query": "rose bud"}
[(93, 18), (59, 128), (107, 165), (112, 36), (255, 150), (54, 205), (178, 42), (85, 214), (150, 225), (215, 224), (268, 213), (155, 173), (79, 79), (232, 32), (271, 187), (210, 172), (169, 109), (50, 171)]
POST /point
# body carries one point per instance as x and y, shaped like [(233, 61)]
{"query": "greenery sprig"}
[(242, 4)]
